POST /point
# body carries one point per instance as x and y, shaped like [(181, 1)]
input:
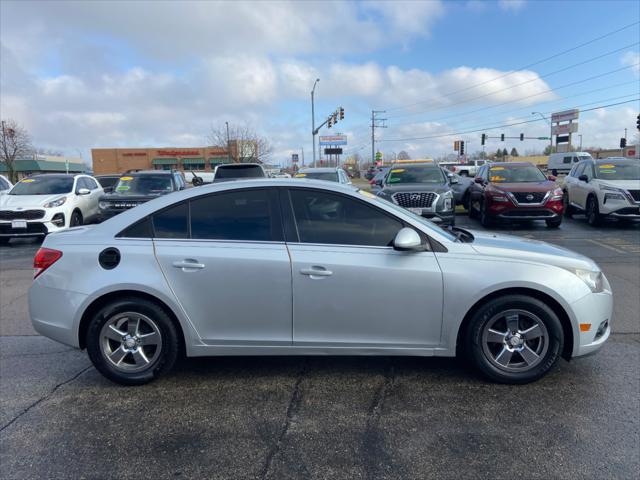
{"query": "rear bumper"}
[(52, 312)]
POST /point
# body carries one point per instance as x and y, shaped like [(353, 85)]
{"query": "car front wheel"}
[(132, 341), (514, 339), (593, 212)]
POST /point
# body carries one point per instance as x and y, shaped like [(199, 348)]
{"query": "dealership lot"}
[(338, 417)]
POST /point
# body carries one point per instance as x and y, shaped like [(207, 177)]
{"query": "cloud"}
[(632, 59), (512, 5)]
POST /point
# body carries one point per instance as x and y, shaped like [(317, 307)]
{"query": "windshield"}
[(244, 171), (516, 174), (329, 176), (418, 218), (42, 185), (416, 175), (618, 171), (144, 185)]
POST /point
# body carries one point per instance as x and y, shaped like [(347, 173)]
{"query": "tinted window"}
[(328, 176), (82, 183), (43, 185), (240, 171), (92, 183), (323, 217), (140, 229), (144, 185), (566, 160), (172, 222), (3, 184), (579, 169), (107, 182), (241, 215)]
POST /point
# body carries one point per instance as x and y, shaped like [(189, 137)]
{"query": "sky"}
[(82, 75)]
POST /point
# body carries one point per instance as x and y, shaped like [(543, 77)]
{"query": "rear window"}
[(329, 176), (239, 171)]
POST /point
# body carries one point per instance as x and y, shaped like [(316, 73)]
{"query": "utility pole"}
[(376, 122), (313, 121), (228, 144)]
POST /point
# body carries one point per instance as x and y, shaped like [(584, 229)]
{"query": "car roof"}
[(238, 165)]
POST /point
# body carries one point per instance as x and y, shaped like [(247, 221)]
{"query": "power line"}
[(497, 126), (524, 67), (570, 84), (519, 84)]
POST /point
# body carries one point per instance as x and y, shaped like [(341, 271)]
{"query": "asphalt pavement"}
[(325, 417)]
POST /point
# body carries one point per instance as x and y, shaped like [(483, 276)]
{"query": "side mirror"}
[(379, 182), (478, 180), (583, 178), (552, 178), (83, 191), (407, 239)]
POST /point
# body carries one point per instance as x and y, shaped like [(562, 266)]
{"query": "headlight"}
[(103, 205), (557, 194), (592, 279), (55, 203), (448, 200)]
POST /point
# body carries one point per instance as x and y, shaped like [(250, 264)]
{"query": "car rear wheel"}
[(132, 341), (593, 212), (514, 339), (76, 219)]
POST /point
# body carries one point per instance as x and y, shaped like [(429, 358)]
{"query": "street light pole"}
[(550, 130), (228, 144), (313, 121)]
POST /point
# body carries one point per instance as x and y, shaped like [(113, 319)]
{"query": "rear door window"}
[(172, 222)]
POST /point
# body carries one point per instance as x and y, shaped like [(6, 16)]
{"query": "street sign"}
[(294, 157), (333, 151), (562, 139), (565, 128), (565, 116), (333, 140)]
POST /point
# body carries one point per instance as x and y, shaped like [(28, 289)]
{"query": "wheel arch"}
[(558, 309), (103, 300)]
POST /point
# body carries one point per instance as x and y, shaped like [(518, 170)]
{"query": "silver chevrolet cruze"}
[(298, 267)]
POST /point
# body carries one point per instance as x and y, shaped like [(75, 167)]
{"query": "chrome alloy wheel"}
[(515, 340), (130, 341)]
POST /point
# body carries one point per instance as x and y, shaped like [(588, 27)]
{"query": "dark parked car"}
[(238, 171), (422, 188), (460, 187), (515, 191), (139, 187), (107, 182)]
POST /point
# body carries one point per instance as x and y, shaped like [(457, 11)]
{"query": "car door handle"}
[(188, 264), (316, 272)]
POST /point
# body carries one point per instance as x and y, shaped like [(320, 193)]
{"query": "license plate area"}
[(417, 211), (18, 224)]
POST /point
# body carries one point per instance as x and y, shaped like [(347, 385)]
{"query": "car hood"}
[(625, 184), (27, 201), (417, 187), (518, 248), (544, 186)]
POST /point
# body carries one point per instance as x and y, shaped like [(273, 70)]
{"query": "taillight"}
[(45, 257)]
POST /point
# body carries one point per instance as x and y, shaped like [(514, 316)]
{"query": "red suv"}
[(515, 191)]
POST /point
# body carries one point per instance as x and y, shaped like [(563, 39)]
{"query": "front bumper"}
[(36, 227), (594, 309)]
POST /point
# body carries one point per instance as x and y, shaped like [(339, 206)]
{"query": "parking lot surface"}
[(326, 417)]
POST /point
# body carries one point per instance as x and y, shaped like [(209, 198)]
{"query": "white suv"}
[(46, 203), (608, 187)]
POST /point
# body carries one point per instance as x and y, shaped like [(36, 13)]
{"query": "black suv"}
[(422, 188), (138, 187)]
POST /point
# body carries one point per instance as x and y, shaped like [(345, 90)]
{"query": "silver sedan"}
[(274, 267)]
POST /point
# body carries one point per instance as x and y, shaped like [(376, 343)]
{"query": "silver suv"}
[(604, 188)]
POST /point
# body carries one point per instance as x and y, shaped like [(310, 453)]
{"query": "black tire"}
[(485, 219), (568, 208), (76, 219), (481, 356), (159, 364), (593, 212), (554, 223)]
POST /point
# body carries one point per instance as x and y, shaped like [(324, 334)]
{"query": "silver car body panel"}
[(254, 298)]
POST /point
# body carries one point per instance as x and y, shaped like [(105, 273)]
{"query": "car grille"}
[(535, 197), (635, 194), (32, 228), (414, 200), (21, 215), (124, 205)]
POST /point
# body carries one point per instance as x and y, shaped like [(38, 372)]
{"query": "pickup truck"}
[(467, 169)]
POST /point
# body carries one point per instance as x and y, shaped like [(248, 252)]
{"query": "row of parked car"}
[(516, 191)]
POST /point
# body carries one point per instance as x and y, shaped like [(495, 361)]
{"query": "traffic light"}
[(335, 117), (483, 138), (502, 137), (623, 142), (456, 145), (638, 121), (330, 121), (461, 148), (521, 137), (341, 113)]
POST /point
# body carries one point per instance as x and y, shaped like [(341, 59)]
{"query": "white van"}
[(563, 162)]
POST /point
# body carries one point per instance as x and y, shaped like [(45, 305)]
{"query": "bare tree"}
[(403, 155), (15, 142), (243, 142)]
